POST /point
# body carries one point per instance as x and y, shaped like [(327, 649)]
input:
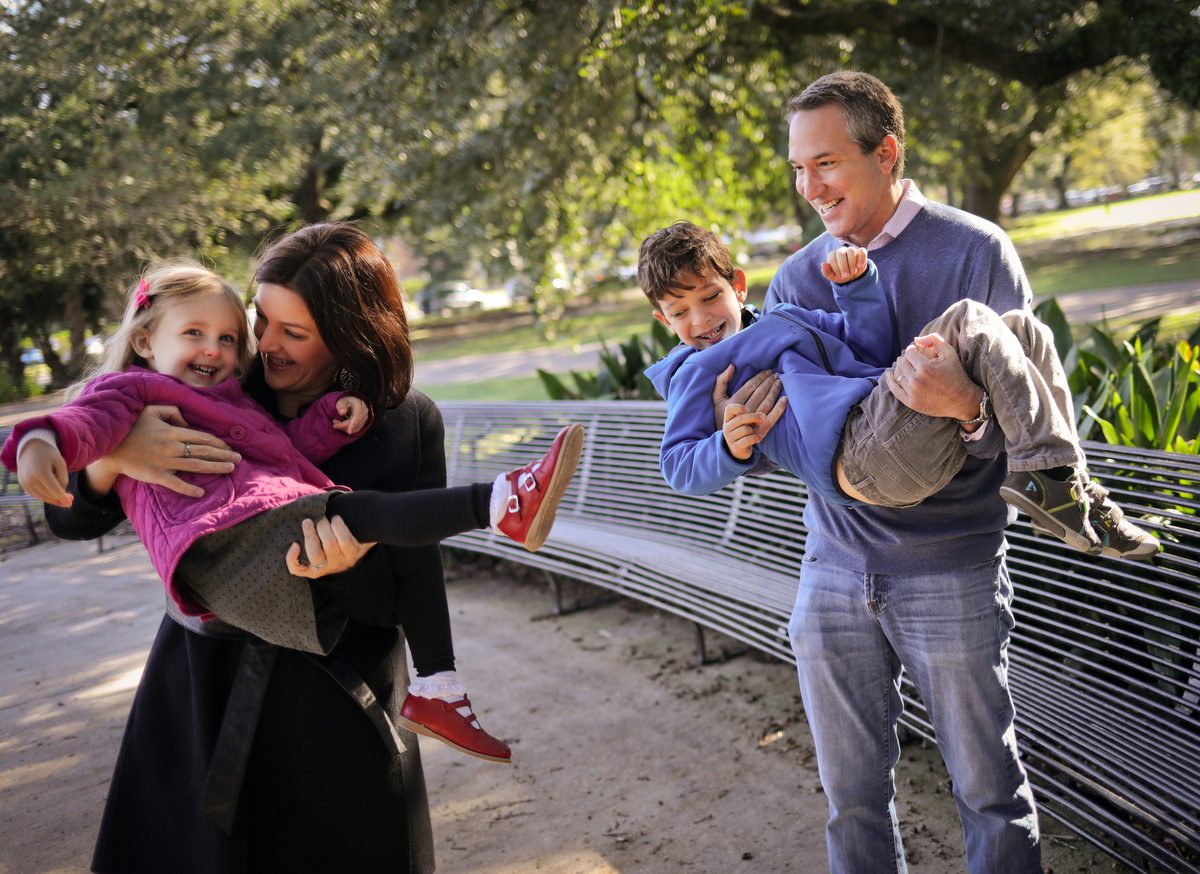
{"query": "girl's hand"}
[(159, 447), (354, 414), (329, 547), (42, 473), (744, 430), (845, 264)]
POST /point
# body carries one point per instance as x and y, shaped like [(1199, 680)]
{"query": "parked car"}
[(453, 296), (518, 289)]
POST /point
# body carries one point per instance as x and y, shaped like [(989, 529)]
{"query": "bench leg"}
[(702, 658), (560, 610), (32, 526)]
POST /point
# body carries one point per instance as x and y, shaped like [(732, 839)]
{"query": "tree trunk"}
[(1060, 183), (308, 198), (982, 197)]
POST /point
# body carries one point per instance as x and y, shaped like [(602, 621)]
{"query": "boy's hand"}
[(744, 430), (354, 412), (845, 264), (42, 473)]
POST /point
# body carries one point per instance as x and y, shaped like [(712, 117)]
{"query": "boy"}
[(847, 436)]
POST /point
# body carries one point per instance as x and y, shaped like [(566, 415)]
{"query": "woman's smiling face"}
[(297, 364)]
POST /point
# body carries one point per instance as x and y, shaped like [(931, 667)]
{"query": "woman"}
[(238, 755)]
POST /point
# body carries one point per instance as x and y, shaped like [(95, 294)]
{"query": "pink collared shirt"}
[(911, 201)]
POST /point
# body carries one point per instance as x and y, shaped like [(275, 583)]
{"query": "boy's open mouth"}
[(712, 336)]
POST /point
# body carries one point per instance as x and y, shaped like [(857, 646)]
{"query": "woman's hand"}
[(329, 546), (159, 447)]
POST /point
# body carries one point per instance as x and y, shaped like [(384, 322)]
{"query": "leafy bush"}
[(620, 376), (1142, 392)]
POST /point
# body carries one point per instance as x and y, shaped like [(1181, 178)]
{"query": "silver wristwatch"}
[(985, 412)]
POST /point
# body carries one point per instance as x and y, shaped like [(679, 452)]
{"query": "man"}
[(924, 588)]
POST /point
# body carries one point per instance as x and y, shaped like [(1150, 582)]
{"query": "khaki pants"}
[(897, 457)]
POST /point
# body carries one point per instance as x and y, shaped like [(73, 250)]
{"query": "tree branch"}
[(1085, 47)]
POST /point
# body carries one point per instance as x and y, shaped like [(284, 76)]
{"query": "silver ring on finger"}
[(187, 450), (317, 567)]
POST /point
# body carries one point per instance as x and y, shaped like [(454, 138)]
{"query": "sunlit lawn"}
[(523, 388), (1154, 208), (1071, 269)]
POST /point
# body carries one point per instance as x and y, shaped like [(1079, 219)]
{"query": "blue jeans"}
[(852, 633)]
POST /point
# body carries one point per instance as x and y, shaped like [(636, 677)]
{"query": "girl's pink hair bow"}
[(141, 300)]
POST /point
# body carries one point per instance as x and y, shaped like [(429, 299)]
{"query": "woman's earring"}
[(346, 380)]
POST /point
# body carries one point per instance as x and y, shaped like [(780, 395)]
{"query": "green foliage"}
[(1143, 391), (621, 375)]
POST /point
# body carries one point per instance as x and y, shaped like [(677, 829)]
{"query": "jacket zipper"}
[(816, 339)]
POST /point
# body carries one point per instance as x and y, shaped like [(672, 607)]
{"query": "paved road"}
[(1079, 307)]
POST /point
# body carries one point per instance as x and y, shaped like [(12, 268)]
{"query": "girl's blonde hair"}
[(163, 287)]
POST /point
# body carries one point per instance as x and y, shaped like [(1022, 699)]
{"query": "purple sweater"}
[(278, 463), (944, 255)]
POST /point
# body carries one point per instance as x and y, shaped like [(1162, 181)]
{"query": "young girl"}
[(184, 335)]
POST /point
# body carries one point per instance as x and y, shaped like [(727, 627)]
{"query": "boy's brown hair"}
[(681, 246)]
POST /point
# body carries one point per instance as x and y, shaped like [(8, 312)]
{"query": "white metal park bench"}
[(1104, 664)]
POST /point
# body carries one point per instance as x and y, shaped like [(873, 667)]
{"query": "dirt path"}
[(628, 758)]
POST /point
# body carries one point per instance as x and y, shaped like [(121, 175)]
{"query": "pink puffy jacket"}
[(278, 461)]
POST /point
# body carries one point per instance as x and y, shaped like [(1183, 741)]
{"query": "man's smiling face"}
[(853, 193)]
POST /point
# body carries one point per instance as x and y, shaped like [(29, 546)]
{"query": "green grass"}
[(1136, 212), (1084, 271), (524, 388)]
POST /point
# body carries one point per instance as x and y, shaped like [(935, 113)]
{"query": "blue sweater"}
[(943, 256), (827, 361)]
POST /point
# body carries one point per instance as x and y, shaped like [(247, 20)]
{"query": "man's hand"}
[(758, 395), (159, 447), (743, 430), (329, 547), (354, 412), (42, 473), (929, 378)]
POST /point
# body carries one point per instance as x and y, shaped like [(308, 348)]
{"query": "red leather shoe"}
[(441, 720), (536, 489)]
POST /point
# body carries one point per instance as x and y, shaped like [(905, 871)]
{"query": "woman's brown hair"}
[(356, 301)]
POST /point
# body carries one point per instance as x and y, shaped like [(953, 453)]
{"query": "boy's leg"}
[(1045, 462), (1038, 342), (1119, 538), (1038, 426)]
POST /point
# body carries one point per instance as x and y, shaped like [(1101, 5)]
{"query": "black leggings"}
[(418, 520)]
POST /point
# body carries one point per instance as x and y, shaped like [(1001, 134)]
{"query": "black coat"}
[(320, 792)]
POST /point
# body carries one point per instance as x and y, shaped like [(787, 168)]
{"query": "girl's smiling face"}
[(703, 310), (196, 340)]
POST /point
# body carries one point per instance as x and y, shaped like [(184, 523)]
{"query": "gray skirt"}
[(240, 575)]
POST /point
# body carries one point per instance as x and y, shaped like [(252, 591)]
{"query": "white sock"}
[(443, 685), (499, 503)]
